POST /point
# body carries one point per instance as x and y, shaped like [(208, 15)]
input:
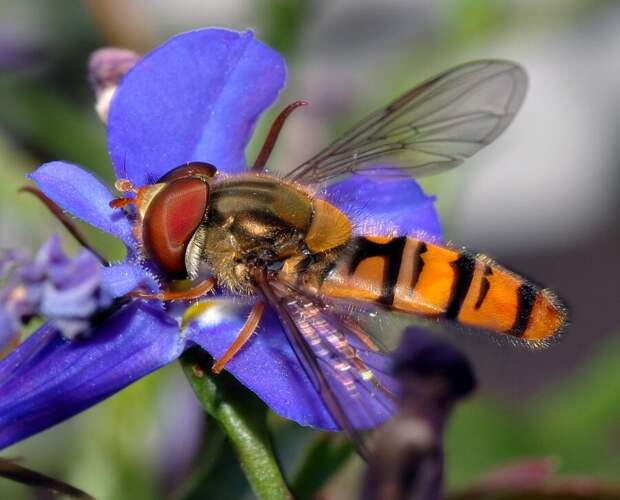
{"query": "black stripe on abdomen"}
[(464, 268), (527, 294), (392, 252), (484, 287), (418, 263)]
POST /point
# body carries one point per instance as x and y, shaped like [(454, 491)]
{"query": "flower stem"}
[(241, 415)]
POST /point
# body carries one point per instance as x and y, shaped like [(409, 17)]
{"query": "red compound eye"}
[(171, 220)]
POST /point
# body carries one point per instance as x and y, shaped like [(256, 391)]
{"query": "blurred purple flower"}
[(67, 291), (17, 54), (195, 98), (106, 68), (408, 460)]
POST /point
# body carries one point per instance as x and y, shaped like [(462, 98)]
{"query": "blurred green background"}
[(543, 199)]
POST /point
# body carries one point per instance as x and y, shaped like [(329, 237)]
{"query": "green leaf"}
[(54, 125), (242, 417)]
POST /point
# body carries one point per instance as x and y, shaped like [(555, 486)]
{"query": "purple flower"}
[(195, 98), (17, 54), (67, 291), (106, 67), (407, 461)]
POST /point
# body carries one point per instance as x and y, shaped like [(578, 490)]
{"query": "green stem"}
[(241, 415)]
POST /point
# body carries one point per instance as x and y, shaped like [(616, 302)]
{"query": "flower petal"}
[(268, 366), (386, 204), (195, 98), (9, 329), (83, 196), (120, 279), (49, 379)]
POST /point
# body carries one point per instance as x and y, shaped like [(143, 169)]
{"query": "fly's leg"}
[(122, 202), (244, 335), (272, 137), (195, 292)]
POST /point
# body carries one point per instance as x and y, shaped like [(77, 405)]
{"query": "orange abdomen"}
[(416, 277)]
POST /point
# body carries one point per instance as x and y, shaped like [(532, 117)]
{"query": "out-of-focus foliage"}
[(348, 57), (576, 423)]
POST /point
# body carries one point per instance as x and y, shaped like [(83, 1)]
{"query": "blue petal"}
[(49, 379), (119, 279), (268, 366), (195, 98), (9, 328), (83, 196), (386, 204)]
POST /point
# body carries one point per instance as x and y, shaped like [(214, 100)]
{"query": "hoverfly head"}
[(172, 212)]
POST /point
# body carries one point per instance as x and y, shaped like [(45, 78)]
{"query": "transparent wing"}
[(431, 128), (347, 369)]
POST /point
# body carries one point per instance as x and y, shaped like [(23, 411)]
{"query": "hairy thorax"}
[(262, 221)]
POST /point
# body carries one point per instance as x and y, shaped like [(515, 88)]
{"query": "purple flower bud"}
[(408, 459), (17, 54), (422, 357), (13, 299), (9, 258), (66, 290), (106, 67)]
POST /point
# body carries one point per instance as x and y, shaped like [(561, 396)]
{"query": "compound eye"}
[(192, 169), (171, 220)]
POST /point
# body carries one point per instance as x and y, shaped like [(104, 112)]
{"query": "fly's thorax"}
[(260, 220), (259, 211), (326, 241)]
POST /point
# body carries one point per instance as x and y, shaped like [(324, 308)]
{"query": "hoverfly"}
[(273, 237)]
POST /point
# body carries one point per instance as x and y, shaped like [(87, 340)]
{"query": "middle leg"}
[(246, 332)]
